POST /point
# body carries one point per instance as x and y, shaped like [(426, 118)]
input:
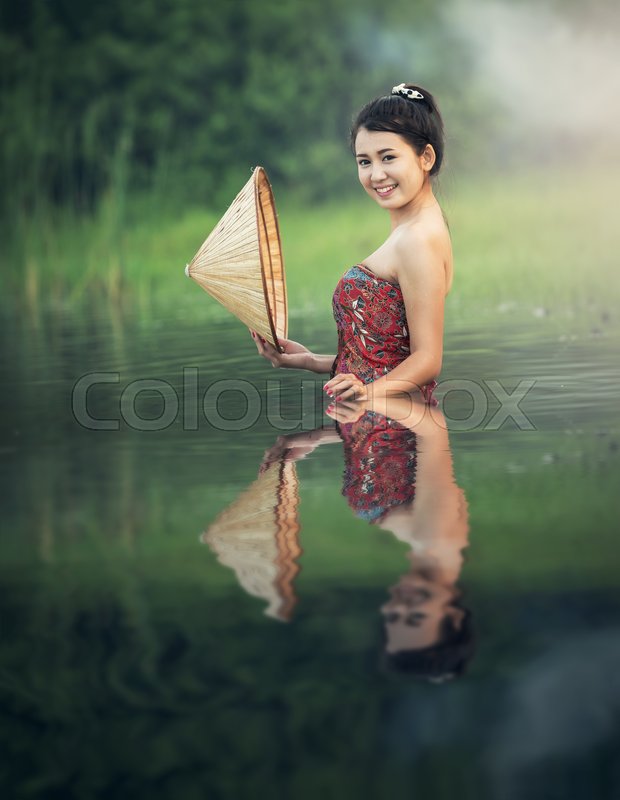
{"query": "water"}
[(188, 612)]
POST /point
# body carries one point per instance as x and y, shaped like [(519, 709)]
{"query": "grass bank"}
[(539, 245)]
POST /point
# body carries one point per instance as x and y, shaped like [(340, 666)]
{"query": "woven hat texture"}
[(257, 536), (240, 263)]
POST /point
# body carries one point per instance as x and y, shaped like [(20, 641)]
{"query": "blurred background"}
[(127, 129), (132, 662)]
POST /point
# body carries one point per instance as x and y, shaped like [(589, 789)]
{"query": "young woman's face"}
[(388, 167), (415, 612)]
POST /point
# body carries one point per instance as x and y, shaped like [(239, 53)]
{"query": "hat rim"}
[(260, 176)]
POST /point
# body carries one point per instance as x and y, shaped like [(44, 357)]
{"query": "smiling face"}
[(389, 169), (416, 611)]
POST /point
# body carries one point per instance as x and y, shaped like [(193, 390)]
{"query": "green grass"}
[(540, 244)]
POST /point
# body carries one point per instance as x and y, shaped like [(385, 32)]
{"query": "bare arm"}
[(295, 355), (422, 280), (320, 363), (293, 446)]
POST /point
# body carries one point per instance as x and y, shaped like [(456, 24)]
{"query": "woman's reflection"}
[(398, 475)]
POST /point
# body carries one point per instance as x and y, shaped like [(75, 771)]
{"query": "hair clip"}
[(411, 94)]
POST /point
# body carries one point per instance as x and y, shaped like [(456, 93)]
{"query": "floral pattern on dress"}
[(380, 465), (372, 326)]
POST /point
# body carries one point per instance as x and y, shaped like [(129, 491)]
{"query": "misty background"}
[(185, 97), (133, 664), (122, 117)]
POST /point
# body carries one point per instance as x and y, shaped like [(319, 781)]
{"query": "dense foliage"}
[(182, 97)]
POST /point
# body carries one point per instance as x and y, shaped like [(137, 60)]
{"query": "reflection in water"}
[(398, 475), (257, 536), (566, 703), (130, 669)]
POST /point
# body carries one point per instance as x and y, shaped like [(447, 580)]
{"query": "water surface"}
[(140, 659)]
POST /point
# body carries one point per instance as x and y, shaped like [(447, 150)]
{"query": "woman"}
[(399, 476), (389, 309)]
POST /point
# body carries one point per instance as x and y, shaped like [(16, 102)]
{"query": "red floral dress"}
[(380, 460), (372, 326)]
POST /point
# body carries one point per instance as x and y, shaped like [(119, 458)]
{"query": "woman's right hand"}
[(295, 355), (293, 446)]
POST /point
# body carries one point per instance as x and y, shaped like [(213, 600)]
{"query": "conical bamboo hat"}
[(257, 536), (241, 265)]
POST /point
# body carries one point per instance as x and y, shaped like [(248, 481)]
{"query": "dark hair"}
[(417, 121), (441, 661)]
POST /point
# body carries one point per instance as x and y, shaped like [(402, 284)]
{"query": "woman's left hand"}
[(346, 386), (346, 411)]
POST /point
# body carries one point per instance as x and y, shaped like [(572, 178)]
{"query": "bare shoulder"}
[(424, 251)]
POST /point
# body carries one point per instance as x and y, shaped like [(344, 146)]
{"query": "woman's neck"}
[(414, 209)]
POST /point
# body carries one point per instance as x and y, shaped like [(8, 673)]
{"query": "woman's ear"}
[(428, 157)]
